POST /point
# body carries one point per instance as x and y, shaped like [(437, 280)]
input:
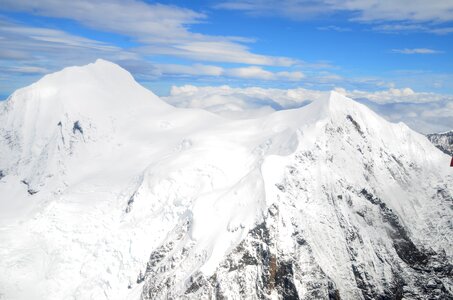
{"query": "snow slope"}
[(107, 192)]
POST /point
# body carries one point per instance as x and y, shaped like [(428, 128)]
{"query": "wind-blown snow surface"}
[(106, 192)]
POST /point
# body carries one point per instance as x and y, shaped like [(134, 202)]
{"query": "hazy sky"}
[(401, 49)]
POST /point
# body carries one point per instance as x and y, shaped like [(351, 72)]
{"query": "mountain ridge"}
[(443, 141), (149, 201)]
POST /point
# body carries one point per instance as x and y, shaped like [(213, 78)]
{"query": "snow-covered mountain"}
[(107, 192), (443, 141)]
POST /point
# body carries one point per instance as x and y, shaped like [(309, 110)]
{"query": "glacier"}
[(108, 192)]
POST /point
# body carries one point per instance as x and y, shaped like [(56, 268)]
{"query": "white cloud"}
[(334, 28), (423, 117), (394, 95), (416, 51), (196, 69), (251, 72), (216, 51), (442, 112), (402, 10), (129, 17), (442, 30), (33, 51), (240, 102), (292, 9), (292, 76), (28, 70), (371, 11), (160, 29), (410, 27), (24, 37), (222, 100), (399, 27), (424, 112)]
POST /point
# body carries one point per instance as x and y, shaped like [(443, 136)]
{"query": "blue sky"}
[(368, 46)]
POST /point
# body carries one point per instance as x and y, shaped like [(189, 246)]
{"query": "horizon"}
[(394, 58)]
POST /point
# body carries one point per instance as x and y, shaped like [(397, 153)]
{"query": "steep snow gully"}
[(107, 192)]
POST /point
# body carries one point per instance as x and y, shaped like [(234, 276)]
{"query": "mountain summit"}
[(107, 192)]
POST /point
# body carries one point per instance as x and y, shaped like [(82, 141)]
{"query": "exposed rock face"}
[(106, 192), (443, 141), (332, 229), (255, 269), (258, 268)]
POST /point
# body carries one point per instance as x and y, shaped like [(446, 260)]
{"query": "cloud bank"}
[(424, 112), (417, 15), (158, 29)]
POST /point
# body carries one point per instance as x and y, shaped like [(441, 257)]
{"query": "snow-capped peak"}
[(108, 192), (86, 103), (101, 85)]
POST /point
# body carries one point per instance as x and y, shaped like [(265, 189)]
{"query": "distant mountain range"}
[(443, 141)]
